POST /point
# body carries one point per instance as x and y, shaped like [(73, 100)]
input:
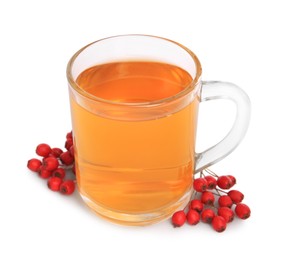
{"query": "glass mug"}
[(134, 103)]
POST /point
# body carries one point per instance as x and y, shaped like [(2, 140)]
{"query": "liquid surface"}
[(134, 81), (133, 167)]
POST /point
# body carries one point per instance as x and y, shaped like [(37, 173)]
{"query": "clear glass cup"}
[(135, 159)]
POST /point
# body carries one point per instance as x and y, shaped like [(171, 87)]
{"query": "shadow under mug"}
[(135, 161)]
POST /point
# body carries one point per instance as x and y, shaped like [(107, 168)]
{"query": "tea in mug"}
[(134, 166)]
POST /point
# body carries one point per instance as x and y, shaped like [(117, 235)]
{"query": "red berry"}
[(219, 223), (236, 196), (69, 135), (225, 201), (56, 152), (50, 163), (226, 213), (242, 211), (43, 150), (192, 217), (211, 182), (54, 183), (233, 179), (178, 218), (207, 215), (59, 172), (71, 150), (224, 182), (67, 187), (34, 164), (200, 184), (196, 205), (66, 158), (207, 198), (45, 174), (68, 143)]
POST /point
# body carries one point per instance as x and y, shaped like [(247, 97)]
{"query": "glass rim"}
[(186, 90)]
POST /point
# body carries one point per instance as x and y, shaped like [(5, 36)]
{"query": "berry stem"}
[(211, 172), (219, 190)]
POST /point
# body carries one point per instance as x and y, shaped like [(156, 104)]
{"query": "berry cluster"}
[(211, 203), (54, 165)]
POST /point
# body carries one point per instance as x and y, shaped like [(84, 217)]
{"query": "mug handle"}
[(212, 90)]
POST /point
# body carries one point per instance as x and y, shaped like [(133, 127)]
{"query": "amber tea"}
[(134, 166)]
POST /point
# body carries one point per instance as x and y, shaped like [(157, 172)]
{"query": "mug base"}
[(141, 219)]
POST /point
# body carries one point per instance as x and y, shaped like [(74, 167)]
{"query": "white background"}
[(236, 41)]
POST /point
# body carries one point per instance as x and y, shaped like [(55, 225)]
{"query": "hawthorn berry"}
[(59, 172), (50, 163), (219, 223), (178, 218), (224, 182), (207, 215), (54, 183), (226, 213), (196, 205), (211, 182), (56, 152), (207, 198), (69, 135), (67, 187), (225, 201), (233, 180), (44, 173), (242, 211), (71, 150), (43, 150), (66, 158), (236, 196), (34, 164), (68, 143), (200, 184), (192, 217)]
